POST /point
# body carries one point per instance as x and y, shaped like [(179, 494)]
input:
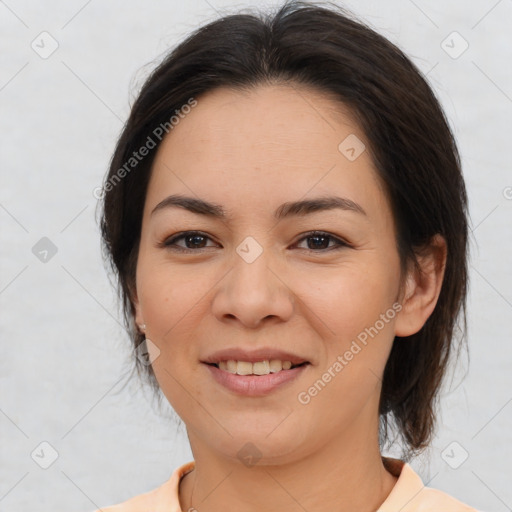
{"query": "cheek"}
[(171, 306), (168, 296), (173, 310), (352, 297), (356, 305)]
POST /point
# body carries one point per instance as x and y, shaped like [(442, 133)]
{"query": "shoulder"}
[(411, 495), (164, 498), (430, 500), (140, 503), (135, 504)]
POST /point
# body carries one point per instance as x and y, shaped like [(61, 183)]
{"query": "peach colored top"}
[(408, 495)]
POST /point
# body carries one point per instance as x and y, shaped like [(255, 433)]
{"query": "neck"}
[(345, 474)]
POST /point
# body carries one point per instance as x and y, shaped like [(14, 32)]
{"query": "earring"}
[(142, 327)]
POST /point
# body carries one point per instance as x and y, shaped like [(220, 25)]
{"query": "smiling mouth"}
[(257, 368)]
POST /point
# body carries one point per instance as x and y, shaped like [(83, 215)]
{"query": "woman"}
[(286, 216)]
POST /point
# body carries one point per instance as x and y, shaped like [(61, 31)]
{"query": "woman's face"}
[(254, 281)]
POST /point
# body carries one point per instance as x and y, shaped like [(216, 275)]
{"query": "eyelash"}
[(169, 242)]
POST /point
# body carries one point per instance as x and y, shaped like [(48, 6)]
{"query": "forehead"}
[(265, 118), (258, 146)]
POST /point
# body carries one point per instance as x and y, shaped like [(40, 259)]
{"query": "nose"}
[(252, 293)]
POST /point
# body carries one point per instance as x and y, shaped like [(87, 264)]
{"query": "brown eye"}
[(319, 241), (194, 241)]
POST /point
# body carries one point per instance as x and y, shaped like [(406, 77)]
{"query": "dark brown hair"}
[(325, 48)]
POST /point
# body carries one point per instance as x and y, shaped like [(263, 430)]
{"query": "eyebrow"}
[(289, 209)]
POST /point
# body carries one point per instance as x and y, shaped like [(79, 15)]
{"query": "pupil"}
[(317, 246), (194, 239)]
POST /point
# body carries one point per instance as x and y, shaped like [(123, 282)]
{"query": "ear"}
[(422, 288), (139, 319)]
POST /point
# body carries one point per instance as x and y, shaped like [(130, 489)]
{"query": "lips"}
[(255, 385), (253, 356)]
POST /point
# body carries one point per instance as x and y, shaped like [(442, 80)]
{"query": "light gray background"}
[(64, 353)]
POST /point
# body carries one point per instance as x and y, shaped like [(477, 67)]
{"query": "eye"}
[(196, 240), (320, 241)]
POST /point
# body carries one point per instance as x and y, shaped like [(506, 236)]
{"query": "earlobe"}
[(422, 287)]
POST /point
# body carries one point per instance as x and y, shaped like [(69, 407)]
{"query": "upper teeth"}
[(259, 368)]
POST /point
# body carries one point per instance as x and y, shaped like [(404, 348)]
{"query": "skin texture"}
[(250, 152)]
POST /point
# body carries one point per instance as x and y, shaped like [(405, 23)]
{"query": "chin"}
[(253, 446)]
